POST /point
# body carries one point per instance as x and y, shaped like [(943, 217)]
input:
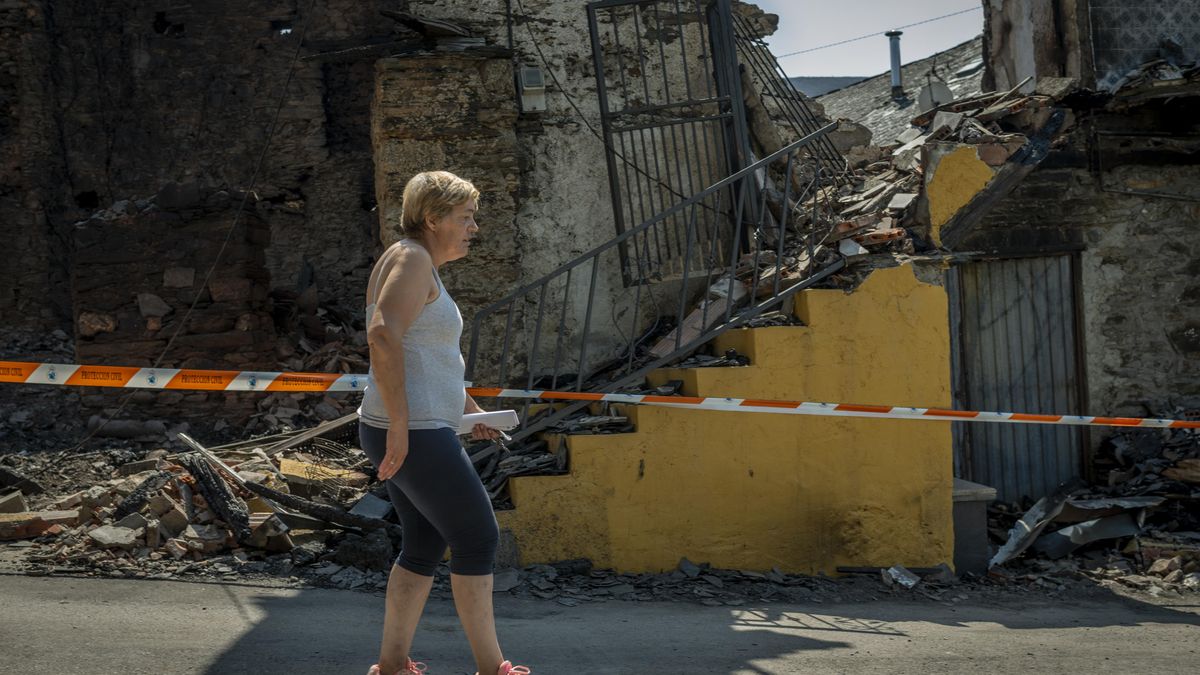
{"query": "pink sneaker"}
[(412, 668), (507, 668)]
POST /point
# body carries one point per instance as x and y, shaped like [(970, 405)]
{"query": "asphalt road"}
[(102, 626)]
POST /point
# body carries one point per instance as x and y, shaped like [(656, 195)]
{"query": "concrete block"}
[(137, 467), (174, 521), (133, 521), (160, 504), (13, 503), (114, 536)]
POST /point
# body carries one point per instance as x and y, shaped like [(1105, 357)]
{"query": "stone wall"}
[(561, 205), (32, 277), (559, 186), (454, 112), (161, 250), (134, 95), (1130, 205)]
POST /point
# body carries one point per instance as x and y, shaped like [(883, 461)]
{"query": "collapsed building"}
[(668, 193)]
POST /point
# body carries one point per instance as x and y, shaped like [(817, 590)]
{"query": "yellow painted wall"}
[(752, 491), (956, 177)]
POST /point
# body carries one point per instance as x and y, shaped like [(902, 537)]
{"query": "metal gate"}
[(1017, 351), (672, 118)]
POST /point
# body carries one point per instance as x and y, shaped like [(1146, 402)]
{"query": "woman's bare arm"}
[(404, 286)]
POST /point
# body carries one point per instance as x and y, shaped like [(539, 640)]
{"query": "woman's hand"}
[(397, 450), (482, 432)]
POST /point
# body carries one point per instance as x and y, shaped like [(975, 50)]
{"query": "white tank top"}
[(433, 369)]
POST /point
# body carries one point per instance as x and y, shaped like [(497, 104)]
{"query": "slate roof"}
[(815, 86), (870, 102)]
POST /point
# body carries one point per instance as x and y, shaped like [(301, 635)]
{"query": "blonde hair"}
[(432, 194)]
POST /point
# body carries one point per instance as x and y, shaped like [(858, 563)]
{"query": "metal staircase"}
[(709, 235)]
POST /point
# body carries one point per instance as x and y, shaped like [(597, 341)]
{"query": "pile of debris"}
[(572, 582), (1173, 74), (308, 496), (164, 512), (877, 207), (1140, 528), (544, 454)]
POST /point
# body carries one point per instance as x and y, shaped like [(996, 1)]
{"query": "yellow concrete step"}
[(806, 494), (842, 353)]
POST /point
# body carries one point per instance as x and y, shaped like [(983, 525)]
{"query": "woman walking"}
[(412, 407)]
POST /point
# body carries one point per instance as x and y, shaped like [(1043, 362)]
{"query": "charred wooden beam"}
[(141, 494), (329, 514), (220, 497)]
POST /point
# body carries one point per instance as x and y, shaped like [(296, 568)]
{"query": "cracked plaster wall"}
[(548, 200)]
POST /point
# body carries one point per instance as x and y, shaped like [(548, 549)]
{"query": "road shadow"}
[(326, 631), (322, 631)]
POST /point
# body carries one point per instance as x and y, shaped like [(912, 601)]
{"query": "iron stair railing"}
[(783, 257), (790, 108)]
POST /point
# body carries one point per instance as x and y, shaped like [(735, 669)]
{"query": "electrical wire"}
[(877, 33)]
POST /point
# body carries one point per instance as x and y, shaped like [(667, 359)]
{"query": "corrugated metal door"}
[(1018, 352)]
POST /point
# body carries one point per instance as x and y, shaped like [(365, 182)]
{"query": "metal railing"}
[(745, 246), (789, 107), (670, 112)]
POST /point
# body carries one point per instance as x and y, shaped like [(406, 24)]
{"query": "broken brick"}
[(176, 548), (33, 524)]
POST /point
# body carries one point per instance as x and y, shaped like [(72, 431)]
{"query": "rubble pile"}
[(1165, 77), (1139, 528), (294, 498), (573, 582), (497, 462), (877, 207), (268, 501)]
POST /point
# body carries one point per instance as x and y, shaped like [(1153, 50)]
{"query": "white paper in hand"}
[(504, 420)]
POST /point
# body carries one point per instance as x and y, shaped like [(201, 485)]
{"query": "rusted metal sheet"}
[(1018, 351)]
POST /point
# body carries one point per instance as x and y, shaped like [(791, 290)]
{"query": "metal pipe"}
[(897, 81)]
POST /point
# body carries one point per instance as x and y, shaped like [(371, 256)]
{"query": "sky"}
[(804, 24)]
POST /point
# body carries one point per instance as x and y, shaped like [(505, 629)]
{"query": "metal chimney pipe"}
[(897, 82)]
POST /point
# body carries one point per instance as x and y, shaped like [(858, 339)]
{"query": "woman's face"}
[(452, 233)]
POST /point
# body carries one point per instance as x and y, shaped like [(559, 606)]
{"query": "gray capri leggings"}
[(440, 501)]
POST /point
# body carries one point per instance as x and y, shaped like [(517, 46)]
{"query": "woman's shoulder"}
[(408, 254)]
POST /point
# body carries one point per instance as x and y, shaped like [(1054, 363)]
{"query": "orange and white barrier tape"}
[(19, 372)]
